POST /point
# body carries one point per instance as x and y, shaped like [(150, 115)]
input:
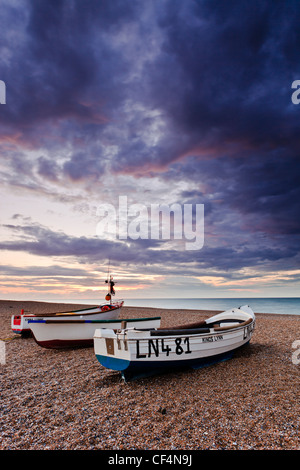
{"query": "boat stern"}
[(111, 349), (19, 324)]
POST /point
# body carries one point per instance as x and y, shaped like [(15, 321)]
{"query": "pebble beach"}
[(65, 400)]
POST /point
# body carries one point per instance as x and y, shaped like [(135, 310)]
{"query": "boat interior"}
[(201, 327)]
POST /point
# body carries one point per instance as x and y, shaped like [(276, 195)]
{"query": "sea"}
[(289, 305), (279, 305)]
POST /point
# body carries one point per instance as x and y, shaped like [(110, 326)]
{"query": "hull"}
[(134, 370), (21, 323), (56, 334), (141, 353)]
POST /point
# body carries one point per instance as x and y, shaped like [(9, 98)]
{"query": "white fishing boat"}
[(66, 333), (139, 352), (108, 311)]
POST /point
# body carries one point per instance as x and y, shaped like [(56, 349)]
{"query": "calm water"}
[(289, 305)]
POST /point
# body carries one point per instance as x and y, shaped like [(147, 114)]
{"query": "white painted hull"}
[(54, 334), (141, 353), (21, 323)]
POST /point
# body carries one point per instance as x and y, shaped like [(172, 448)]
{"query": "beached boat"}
[(139, 353), (54, 334), (21, 323), (108, 311)]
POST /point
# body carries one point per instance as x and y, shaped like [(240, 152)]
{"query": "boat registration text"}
[(156, 347)]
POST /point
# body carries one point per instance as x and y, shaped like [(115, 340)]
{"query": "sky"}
[(155, 103)]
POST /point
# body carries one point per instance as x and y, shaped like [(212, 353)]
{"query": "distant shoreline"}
[(34, 306), (271, 305)]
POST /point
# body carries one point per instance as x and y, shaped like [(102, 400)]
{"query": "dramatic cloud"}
[(39, 240), (163, 101)]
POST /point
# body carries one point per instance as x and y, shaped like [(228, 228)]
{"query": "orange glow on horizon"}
[(220, 281)]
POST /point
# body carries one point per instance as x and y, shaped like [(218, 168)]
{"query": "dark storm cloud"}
[(39, 240), (221, 75), (235, 66), (48, 168), (63, 79), (193, 91), (263, 189), (223, 79), (82, 166), (63, 59)]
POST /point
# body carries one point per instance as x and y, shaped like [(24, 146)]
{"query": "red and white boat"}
[(109, 311), (21, 323)]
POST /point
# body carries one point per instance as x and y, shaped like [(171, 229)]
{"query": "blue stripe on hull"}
[(114, 363), (134, 369)]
